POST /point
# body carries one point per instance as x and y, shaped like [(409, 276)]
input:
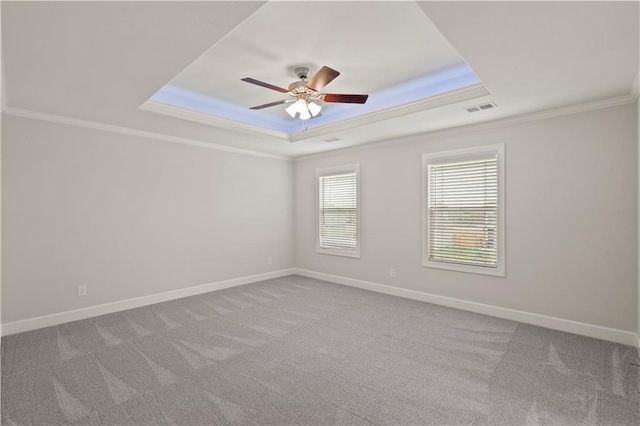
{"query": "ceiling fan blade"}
[(343, 99), (271, 104), (325, 76), (263, 84)]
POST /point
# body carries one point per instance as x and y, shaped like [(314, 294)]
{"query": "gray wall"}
[(570, 218), (131, 217)]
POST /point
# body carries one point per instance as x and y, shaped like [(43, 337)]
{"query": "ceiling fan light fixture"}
[(305, 114), (304, 108), (301, 105), (303, 92), (292, 110), (314, 109)]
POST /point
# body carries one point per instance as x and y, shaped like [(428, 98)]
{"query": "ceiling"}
[(395, 66), (104, 61)]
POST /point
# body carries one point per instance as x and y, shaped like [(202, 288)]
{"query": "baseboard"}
[(590, 330), (108, 308), (584, 329)]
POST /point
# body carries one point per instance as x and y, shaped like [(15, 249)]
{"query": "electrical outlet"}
[(82, 290), (270, 261), (392, 273)]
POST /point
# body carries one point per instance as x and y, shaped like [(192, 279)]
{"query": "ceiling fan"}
[(303, 93)]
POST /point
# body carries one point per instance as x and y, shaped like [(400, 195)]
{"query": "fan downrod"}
[(299, 88)]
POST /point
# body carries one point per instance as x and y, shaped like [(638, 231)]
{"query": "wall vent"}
[(482, 107)]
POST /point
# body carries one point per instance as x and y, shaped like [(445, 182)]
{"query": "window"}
[(338, 214), (463, 210)]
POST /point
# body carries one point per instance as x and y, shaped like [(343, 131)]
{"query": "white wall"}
[(131, 217), (570, 218)]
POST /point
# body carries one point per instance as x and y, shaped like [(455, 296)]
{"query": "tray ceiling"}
[(392, 52)]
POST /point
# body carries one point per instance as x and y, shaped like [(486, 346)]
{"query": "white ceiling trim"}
[(459, 95), (508, 121), (134, 132), (211, 120), (539, 115)]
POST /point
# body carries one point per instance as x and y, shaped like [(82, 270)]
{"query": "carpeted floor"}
[(300, 351)]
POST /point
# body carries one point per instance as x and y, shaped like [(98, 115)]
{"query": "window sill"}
[(496, 272), (352, 254)]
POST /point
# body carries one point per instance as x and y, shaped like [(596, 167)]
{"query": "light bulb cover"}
[(314, 109), (305, 115), (301, 105), (304, 108), (292, 110)]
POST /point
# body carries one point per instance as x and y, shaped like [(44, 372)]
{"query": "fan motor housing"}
[(300, 87)]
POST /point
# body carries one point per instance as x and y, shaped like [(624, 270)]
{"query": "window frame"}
[(337, 170), (461, 155)]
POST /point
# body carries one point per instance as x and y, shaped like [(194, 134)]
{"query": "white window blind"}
[(338, 211), (463, 210)]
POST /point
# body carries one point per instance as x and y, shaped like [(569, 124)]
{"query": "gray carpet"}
[(301, 351)]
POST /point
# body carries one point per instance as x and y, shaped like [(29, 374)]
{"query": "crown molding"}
[(35, 115), (539, 115), (211, 120), (501, 122), (459, 95)]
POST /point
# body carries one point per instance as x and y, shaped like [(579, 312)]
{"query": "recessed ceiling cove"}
[(388, 50)]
